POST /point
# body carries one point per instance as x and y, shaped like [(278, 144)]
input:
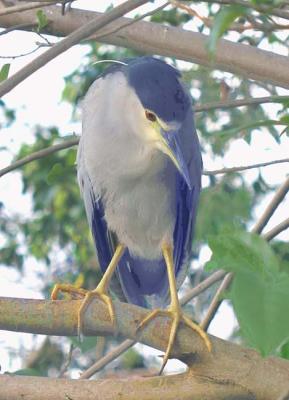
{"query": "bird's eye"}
[(150, 116)]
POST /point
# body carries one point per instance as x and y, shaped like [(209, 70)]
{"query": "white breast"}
[(135, 181)]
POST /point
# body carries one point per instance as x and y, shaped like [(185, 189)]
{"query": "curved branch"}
[(153, 38), (38, 154), (228, 366)]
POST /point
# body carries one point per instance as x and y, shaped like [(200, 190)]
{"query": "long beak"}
[(171, 146)]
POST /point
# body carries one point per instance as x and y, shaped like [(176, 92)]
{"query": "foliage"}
[(4, 72), (260, 290)]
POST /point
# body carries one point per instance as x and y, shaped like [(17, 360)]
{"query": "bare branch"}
[(240, 103), (184, 386), (69, 143), (257, 7), (244, 167), (126, 344), (39, 154), (155, 38), (83, 32), (277, 229), (272, 206), (216, 301), (27, 6), (229, 365)]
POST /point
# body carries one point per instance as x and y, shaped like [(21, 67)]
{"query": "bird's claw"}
[(103, 296), (177, 316), (87, 298)]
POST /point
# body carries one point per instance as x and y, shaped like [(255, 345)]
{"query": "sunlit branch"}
[(229, 366), (126, 344), (154, 38)]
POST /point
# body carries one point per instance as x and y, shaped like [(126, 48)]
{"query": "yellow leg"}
[(174, 310), (101, 291)]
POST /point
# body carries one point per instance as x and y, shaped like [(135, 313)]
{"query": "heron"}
[(139, 171)]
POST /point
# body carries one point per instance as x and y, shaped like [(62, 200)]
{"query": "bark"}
[(229, 372), (152, 38)]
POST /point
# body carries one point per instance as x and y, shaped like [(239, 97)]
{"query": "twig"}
[(112, 355), (39, 154), (27, 6), (274, 203), (216, 301), (132, 21), (258, 228), (208, 21), (259, 8), (244, 167), (240, 103), (276, 230), (126, 344), (65, 366), (16, 27), (75, 37)]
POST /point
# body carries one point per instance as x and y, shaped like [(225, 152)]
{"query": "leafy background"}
[(55, 236)]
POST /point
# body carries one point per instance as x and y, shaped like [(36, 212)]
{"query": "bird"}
[(139, 169)]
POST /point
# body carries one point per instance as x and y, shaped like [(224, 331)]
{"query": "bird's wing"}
[(186, 199), (105, 241)]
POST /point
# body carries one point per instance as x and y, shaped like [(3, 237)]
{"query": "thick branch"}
[(184, 386), (154, 38), (228, 364)]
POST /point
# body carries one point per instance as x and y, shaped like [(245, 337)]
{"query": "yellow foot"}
[(87, 298), (177, 316)]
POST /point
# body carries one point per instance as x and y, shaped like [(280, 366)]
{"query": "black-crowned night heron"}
[(139, 171)]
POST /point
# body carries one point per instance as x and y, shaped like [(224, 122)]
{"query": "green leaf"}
[(4, 72), (261, 306), (239, 250), (223, 20), (41, 19), (259, 292)]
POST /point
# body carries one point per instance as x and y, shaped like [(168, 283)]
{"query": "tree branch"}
[(154, 38), (75, 37), (73, 142), (184, 386), (39, 154), (126, 344), (240, 103), (27, 6), (241, 167), (229, 366)]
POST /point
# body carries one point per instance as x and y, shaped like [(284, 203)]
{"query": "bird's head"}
[(159, 108)]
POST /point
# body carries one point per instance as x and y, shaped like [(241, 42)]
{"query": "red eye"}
[(150, 116)]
